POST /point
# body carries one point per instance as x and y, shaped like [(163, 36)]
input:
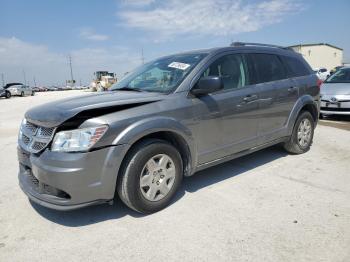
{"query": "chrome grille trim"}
[(34, 138)]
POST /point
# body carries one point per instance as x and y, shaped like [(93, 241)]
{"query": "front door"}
[(232, 110)]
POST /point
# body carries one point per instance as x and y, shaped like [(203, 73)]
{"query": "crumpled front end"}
[(62, 180)]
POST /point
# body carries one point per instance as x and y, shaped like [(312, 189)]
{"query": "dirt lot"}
[(268, 206)]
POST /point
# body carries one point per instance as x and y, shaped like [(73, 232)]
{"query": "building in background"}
[(320, 55)]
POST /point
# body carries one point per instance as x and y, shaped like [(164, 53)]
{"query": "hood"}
[(55, 113), (335, 89)]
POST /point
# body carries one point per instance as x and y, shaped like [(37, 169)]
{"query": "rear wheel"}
[(8, 95), (33, 93), (150, 176), (301, 139), (22, 93)]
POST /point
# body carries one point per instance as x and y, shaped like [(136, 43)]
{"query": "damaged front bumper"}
[(67, 181)]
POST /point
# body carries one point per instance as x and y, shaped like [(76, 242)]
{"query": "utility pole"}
[(142, 57), (3, 79), (24, 77), (71, 69), (34, 81)]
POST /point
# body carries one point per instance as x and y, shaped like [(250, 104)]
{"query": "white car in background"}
[(21, 90), (335, 94), (322, 73)]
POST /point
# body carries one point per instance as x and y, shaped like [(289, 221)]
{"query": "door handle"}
[(250, 98), (292, 89)]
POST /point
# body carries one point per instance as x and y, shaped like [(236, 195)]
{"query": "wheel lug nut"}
[(157, 183), (162, 176)]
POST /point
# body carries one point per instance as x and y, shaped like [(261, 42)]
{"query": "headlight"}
[(78, 139)]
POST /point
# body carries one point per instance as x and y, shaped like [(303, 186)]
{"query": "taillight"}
[(319, 83)]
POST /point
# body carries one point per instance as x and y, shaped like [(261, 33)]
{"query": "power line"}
[(71, 69)]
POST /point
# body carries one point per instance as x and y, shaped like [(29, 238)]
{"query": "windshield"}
[(161, 75), (341, 76)]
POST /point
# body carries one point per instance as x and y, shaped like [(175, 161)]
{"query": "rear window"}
[(295, 67), (268, 67)]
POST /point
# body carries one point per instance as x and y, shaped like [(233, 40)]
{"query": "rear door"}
[(277, 94)]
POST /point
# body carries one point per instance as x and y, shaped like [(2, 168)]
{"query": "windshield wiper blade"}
[(126, 88)]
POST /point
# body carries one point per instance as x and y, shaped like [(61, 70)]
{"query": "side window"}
[(295, 67), (268, 67), (232, 69)]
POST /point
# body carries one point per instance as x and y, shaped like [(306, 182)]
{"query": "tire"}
[(33, 93), (22, 94), (8, 95), (301, 144), (135, 166), (321, 116)]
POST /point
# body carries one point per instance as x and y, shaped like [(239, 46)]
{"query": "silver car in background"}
[(21, 90), (335, 93)]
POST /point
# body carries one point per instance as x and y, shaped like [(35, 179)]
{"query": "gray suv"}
[(168, 119)]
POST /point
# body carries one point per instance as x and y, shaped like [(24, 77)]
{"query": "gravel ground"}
[(268, 206)]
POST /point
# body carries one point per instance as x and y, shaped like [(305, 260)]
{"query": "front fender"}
[(301, 102), (147, 126)]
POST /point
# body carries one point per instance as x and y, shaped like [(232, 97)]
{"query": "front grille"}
[(31, 128), (34, 181), (43, 188), (335, 109), (34, 138), (25, 139), (45, 131), (38, 146)]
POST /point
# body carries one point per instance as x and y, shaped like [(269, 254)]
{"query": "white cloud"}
[(90, 34), (52, 67), (137, 3), (208, 17)]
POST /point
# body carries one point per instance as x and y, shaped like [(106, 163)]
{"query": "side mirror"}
[(207, 85)]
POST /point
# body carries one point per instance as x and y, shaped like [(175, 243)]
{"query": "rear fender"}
[(301, 102)]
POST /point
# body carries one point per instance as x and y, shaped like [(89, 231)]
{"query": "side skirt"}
[(237, 155)]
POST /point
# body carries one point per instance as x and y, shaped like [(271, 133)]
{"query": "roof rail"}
[(259, 44)]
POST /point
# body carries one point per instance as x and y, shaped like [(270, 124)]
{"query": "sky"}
[(38, 36)]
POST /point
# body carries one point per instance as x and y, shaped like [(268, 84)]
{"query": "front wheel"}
[(8, 95), (301, 139), (33, 93), (150, 176), (22, 93)]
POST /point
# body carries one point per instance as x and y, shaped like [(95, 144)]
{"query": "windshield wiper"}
[(126, 88)]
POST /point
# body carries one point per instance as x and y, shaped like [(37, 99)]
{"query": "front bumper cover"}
[(67, 181)]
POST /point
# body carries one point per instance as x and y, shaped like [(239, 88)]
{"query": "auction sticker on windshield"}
[(178, 65)]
